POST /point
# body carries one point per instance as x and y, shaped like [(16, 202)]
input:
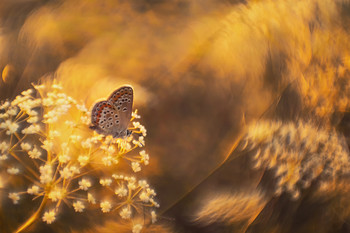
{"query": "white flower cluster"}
[(65, 159), (298, 153), (133, 195)]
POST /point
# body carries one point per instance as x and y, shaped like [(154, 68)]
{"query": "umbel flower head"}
[(298, 153), (45, 140)]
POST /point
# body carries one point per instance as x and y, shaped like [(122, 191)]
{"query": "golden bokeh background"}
[(202, 71)]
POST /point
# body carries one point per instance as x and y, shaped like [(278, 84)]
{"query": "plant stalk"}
[(34, 217)]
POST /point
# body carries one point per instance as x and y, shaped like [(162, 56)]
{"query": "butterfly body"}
[(112, 116)]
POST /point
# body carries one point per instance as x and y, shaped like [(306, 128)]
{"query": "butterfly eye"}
[(124, 109), (116, 116)]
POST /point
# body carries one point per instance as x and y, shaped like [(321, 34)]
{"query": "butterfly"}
[(112, 116)]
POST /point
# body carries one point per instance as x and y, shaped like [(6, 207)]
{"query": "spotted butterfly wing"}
[(103, 118), (112, 117)]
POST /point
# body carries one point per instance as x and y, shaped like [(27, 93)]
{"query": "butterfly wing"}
[(104, 118), (122, 101)]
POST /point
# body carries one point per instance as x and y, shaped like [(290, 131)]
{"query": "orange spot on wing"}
[(117, 96)]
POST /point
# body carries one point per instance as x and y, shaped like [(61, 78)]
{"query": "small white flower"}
[(55, 133), (85, 120), (91, 199), (12, 111), (3, 157), (45, 173), (82, 108), (143, 184), (35, 153), (70, 124), (134, 114), (140, 142), (143, 130), (154, 203), (124, 145), (75, 138), (47, 145), (32, 129), (57, 86), (33, 119), (136, 124), (66, 173), (137, 228), (19, 100), (144, 157), (109, 160), (83, 160), (39, 87), (32, 113), (121, 191), (87, 143), (153, 216), (49, 216), (110, 150), (13, 171), (106, 182), (51, 116), (48, 102), (4, 146), (27, 92), (4, 115), (78, 206), (144, 197), (34, 190), (125, 213), (131, 179), (131, 184), (84, 184), (135, 166), (26, 146), (74, 170), (56, 194), (105, 206), (10, 126), (5, 105), (151, 192), (14, 197), (64, 158), (116, 176)]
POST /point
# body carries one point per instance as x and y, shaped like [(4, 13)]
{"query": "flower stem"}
[(34, 217)]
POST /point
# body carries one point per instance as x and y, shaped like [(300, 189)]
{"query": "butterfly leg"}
[(116, 135), (128, 132)]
